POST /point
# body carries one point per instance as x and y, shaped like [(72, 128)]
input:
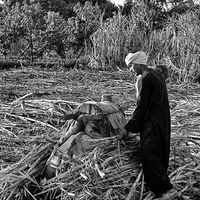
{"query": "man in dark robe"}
[(151, 119)]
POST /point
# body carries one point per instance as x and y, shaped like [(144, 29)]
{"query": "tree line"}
[(66, 29)]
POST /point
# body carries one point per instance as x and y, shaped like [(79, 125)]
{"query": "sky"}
[(118, 2)]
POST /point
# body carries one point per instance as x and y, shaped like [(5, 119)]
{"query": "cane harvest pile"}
[(33, 103)]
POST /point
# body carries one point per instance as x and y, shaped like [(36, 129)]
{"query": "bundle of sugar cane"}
[(184, 169), (25, 124), (108, 169), (33, 116), (15, 177)]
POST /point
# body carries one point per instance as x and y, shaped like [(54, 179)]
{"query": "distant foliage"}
[(110, 41), (116, 37), (87, 22), (36, 30), (28, 32), (12, 28), (55, 34), (178, 45)]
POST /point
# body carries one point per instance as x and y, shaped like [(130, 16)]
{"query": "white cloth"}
[(136, 58)]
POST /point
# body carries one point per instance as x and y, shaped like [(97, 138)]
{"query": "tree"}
[(12, 28), (87, 21), (126, 10), (31, 32), (55, 34), (60, 6)]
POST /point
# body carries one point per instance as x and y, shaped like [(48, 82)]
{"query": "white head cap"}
[(136, 58)]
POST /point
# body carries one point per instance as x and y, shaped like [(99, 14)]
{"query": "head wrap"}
[(136, 58)]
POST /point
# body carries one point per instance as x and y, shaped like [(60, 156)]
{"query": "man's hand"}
[(123, 133)]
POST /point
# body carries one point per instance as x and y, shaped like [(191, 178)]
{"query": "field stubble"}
[(32, 105)]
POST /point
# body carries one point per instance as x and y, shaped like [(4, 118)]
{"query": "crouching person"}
[(92, 121)]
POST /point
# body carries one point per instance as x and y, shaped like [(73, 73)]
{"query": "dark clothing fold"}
[(152, 119)]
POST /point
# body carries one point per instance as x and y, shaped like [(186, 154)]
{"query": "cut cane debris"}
[(32, 121)]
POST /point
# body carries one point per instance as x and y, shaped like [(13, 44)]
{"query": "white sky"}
[(118, 2)]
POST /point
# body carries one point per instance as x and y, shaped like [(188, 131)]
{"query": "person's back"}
[(152, 101), (158, 107), (158, 111)]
